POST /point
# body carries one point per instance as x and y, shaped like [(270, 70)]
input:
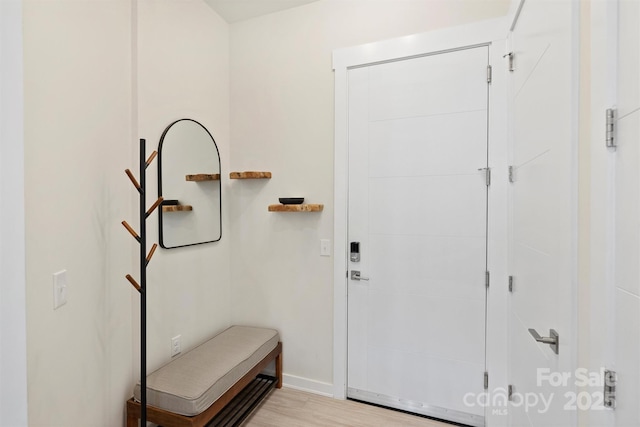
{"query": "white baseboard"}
[(304, 384)]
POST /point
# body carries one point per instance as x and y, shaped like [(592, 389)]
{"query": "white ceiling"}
[(239, 10)]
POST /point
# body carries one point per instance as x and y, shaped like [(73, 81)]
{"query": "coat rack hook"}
[(151, 252), (154, 206), (151, 157), (130, 230), (133, 282), (133, 179)]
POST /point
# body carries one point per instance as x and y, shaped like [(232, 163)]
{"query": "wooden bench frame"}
[(170, 419)]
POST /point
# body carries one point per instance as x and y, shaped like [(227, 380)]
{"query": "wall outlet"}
[(59, 289), (176, 345)]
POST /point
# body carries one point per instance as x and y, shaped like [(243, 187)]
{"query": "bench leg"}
[(133, 414), (279, 369), (132, 421)]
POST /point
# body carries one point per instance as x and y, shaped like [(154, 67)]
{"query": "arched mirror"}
[(189, 182)]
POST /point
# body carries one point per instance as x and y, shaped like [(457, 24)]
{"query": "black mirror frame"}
[(164, 133)]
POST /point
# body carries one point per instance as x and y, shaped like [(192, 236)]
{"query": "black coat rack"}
[(144, 261)]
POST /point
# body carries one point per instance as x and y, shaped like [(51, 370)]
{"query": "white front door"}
[(543, 216), (418, 212)]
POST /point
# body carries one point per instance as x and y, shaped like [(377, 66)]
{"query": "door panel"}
[(417, 205), (400, 380), (436, 260), (538, 28), (416, 138), (543, 213), (427, 90), (391, 312), (537, 274), (535, 190), (407, 212)]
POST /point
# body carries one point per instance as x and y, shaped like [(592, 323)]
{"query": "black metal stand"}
[(144, 261), (241, 406)]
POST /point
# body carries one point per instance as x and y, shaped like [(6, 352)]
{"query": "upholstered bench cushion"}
[(189, 384)]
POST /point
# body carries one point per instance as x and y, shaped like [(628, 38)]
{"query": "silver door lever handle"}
[(553, 340), (355, 275)]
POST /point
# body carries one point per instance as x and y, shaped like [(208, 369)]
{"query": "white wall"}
[(183, 72), (282, 120), (13, 346), (77, 143), (84, 110)]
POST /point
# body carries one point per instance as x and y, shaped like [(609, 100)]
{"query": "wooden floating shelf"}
[(250, 175), (296, 208), (203, 177), (177, 208)]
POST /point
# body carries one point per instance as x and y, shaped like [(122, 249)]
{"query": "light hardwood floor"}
[(286, 407)]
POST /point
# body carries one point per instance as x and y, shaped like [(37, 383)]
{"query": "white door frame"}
[(493, 33)]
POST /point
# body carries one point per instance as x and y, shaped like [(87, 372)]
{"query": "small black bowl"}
[(291, 200)]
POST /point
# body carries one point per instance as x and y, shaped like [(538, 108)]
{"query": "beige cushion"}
[(191, 383)]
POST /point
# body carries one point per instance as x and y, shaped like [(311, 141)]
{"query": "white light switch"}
[(59, 289), (325, 247), (176, 345)]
